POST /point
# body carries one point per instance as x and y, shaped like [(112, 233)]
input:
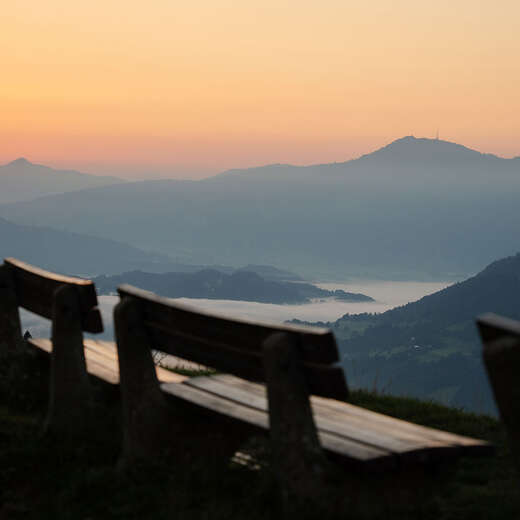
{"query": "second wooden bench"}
[(301, 403)]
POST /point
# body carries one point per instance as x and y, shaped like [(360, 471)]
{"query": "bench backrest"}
[(35, 290), (236, 346), (71, 304), (501, 353)]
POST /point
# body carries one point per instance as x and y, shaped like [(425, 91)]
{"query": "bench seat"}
[(346, 432), (102, 363)]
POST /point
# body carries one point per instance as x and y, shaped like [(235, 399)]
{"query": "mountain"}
[(213, 284), (267, 272), (23, 180), (415, 209), (85, 255), (72, 253), (430, 348)]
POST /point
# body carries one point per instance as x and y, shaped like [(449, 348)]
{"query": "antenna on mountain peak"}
[(437, 135)]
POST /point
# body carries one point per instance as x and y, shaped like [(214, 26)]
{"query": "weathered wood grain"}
[(324, 407), (410, 442), (35, 290)]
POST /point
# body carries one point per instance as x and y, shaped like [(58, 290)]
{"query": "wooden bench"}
[(302, 403), (501, 353), (71, 304)]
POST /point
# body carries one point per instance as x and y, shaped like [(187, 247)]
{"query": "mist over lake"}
[(388, 294)]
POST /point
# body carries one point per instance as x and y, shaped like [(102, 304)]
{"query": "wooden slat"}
[(323, 406), (409, 445), (167, 376), (101, 359), (492, 326), (387, 423), (348, 448), (35, 289), (327, 381), (102, 366), (102, 369), (318, 345), (41, 343), (104, 348)]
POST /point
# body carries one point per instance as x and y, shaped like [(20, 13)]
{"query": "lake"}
[(388, 294)]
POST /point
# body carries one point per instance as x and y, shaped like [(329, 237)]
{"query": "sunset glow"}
[(187, 89)]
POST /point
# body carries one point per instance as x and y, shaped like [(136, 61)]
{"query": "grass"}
[(480, 488), (44, 478)]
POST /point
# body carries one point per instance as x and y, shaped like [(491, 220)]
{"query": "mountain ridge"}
[(90, 256), (398, 147), (395, 145), (62, 251), (22, 180), (417, 219), (241, 285)]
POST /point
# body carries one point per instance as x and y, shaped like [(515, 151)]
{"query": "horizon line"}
[(205, 175)]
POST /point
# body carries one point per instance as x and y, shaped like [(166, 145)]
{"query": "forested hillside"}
[(430, 348)]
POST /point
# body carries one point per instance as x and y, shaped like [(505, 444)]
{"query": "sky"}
[(190, 88)]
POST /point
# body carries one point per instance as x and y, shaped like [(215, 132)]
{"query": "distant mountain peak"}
[(425, 141), (405, 139), (411, 148), (21, 161), (23, 180)]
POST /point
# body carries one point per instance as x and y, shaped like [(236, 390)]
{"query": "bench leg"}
[(11, 340), (70, 400), (298, 460), (145, 415)]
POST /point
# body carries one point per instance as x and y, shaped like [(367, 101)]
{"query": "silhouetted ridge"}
[(415, 209), (210, 283), (21, 161), (509, 266), (411, 149), (22, 180)]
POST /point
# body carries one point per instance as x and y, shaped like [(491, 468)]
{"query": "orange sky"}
[(185, 89)]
